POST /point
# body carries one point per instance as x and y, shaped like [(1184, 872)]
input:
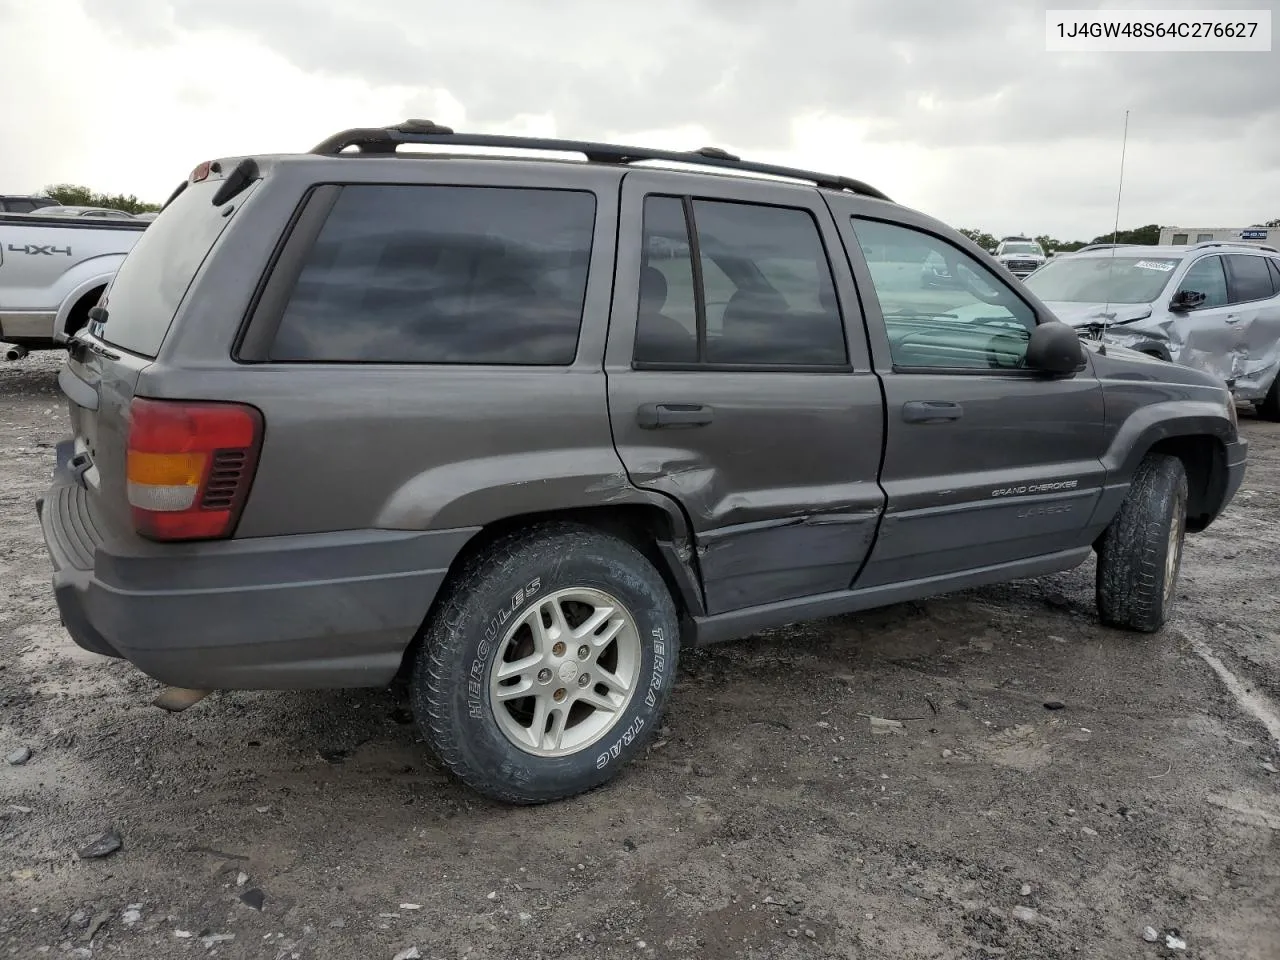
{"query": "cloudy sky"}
[(951, 106)]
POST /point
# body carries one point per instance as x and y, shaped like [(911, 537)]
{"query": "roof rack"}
[(1232, 243), (385, 140), (1103, 246)]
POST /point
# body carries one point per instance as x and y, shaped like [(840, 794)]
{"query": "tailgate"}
[(99, 383), (106, 359)]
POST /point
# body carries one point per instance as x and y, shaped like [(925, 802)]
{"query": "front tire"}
[(547, 665), (1140, 554)]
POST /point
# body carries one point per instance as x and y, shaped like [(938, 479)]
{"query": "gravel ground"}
[(770, 819)]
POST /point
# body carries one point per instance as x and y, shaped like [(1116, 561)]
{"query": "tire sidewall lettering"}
[(477, 680), (657, 655)]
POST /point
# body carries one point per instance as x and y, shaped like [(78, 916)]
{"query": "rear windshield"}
[(1102, 279), (150, 284)]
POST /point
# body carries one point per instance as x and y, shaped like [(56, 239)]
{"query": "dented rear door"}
[(768, 433), (1255, 318)]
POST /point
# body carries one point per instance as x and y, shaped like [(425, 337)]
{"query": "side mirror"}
[(1055, 349), (1185, 300)]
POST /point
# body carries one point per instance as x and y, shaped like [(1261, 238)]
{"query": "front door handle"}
[(931, 411), (656, 416), (1232, 318)]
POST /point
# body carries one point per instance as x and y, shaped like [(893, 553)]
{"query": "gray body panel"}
[(806, 493), (311, 610)]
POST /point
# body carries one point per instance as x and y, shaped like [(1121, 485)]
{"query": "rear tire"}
[(1141, 551), (519, 683), (1269, 408)]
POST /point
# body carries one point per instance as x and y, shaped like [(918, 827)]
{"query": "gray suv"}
[(1214, 306), (518, 430)]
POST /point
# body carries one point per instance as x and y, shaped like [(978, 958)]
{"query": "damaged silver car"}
[(1213, 306)]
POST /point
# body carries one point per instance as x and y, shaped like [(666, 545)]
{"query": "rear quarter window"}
[(150, 285), (443, 274)]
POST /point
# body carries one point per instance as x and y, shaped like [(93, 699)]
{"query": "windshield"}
[(1032, 248), (1102, 279)]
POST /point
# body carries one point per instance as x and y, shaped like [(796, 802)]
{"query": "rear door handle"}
[(931, 411), (655, 416)]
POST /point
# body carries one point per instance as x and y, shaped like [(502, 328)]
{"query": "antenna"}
[(1115, 236)]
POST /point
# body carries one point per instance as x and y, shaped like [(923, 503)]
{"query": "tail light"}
[(190, 466)]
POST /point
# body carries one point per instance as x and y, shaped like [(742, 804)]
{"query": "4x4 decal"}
[(35, 250)]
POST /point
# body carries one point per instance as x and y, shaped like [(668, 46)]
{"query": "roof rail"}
[(385, 140), (1232, 243), (1103, 246)]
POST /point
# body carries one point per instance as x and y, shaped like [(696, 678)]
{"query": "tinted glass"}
[(1275, 273), (1250, 278), (770, 294), (941, 307), (1206, 276), (1102, 279), (151, 283), (426, 274), (667, 323), (20, 206)]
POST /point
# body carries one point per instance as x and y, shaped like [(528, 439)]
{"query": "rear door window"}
[(154, 278), (1250, 278), (756, 289), (770, 294), (443, 274)]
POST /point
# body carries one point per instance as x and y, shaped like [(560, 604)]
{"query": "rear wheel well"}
[(78, 316), (641, 525), (1205, 460), (645, 527)]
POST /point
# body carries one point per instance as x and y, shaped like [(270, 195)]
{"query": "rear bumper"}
[(309, 611)]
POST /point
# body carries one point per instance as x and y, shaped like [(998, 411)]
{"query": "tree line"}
[(73, 195), (1147, 236)]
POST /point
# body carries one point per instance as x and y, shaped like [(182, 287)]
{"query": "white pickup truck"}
[(52, 272)]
